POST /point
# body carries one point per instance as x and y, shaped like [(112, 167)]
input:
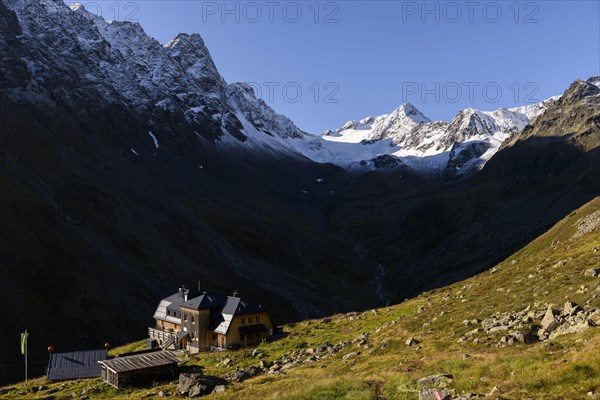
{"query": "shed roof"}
[(75, 365), (140, 361)]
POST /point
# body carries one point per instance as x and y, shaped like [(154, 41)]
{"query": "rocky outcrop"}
[(571, 319), (529, 326), (194, 385), (435, 381)]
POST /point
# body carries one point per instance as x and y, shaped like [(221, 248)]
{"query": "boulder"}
[(571, 308), (196, 385), (350, 355), (549, 321), (325, 347), (434, 394), (592, 272), (411, 341), (219, 389), (286, 366), (241, 375), (525, 338), (435, 381), (574, 328)]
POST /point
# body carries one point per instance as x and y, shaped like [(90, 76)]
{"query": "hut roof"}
[(140, 361)]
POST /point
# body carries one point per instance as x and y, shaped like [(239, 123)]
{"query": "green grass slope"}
[(373, 360)]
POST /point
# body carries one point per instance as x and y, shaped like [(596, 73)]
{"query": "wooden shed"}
[(139, 368)]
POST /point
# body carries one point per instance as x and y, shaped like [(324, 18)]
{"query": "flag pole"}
[(26, 334)]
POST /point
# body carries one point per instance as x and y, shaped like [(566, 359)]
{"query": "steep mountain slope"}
[(482, 331)]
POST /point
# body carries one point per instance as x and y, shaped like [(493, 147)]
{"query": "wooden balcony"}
[(164, 338)]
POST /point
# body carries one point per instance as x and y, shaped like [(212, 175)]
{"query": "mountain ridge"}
[(180, 77), (458, 147)]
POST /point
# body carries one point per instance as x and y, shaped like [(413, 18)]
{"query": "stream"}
[(379, 274), (376, 281)]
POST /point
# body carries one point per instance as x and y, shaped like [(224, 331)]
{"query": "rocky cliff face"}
[(562, 144)]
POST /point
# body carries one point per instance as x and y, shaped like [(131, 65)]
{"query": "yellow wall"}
[(233, 334)]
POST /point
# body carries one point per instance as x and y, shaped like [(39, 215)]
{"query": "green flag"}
[(24, 341)]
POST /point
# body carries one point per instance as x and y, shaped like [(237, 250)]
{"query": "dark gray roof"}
[(206, 301), (75, 365), (176, 300), (237, 306), (140, 361), (231, 306)]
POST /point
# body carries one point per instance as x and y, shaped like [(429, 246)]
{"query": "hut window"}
[(258, 318), (185, 317), (168, 312), (192, 319), (242, 337), (214, 336), (243, 321)]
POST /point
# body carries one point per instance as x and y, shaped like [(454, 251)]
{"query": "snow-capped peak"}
[(76, 7), (409, 111)]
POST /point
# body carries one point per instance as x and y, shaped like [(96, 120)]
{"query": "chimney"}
[(183, 292), (234, 293), (199, 286)]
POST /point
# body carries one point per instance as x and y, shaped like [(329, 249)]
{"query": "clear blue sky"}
[(371, 56)]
